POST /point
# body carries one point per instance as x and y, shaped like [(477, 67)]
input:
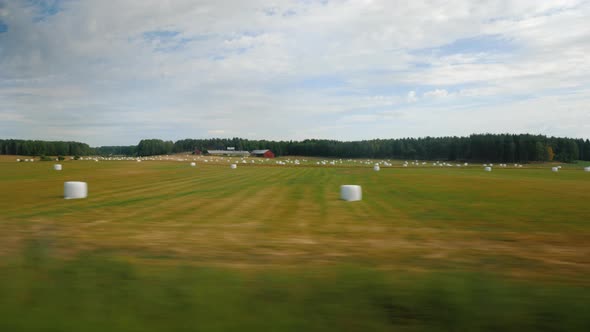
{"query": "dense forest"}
[(506, 148), (42, 148), (130, 150), (486, 148)]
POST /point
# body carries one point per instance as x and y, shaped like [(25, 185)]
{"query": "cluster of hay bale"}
[(76, 189)]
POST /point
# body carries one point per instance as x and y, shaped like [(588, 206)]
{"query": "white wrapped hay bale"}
[(57, 167), (554, 169), (376, 168), (193, 164), (233, 166), (351, 193), (487, 169), (587, 169), (75, 189)]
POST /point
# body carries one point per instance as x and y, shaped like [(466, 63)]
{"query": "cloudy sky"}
[(114, 72)]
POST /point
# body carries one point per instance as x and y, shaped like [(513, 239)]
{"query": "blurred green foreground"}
[(101, 293)]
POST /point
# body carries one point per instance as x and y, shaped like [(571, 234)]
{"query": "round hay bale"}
[(75, 189), (351, 193), (376, 168), (233, 166), (193, 164), (487, 169), (554, 169), (57, 167), (587, 169)]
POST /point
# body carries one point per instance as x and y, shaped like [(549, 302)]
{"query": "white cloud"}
[(411, 97), (291, 68), (438, 93)]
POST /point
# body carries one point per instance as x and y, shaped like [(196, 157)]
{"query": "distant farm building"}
[(263, 153), (231, 153), (197, 152)]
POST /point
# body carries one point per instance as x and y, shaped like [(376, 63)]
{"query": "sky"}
[(115, 72)]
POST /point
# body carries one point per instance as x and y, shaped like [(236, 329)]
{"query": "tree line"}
[(42, 148), (129, 150), (507, 148)]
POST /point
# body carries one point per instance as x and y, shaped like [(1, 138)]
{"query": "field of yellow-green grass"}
[(425, 243)]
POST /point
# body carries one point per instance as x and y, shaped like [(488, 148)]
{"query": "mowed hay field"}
[(284, 230)]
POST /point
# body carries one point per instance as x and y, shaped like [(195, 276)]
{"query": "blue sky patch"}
[(170, 40), (161, 35), (45, 8), (479, 44)]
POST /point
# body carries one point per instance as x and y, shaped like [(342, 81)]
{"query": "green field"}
[(269, 247)]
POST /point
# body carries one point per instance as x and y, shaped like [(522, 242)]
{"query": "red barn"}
[(197, 152), (262, 153)]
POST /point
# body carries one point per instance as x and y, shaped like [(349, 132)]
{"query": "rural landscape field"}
[(294, 165), (273, 246)]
